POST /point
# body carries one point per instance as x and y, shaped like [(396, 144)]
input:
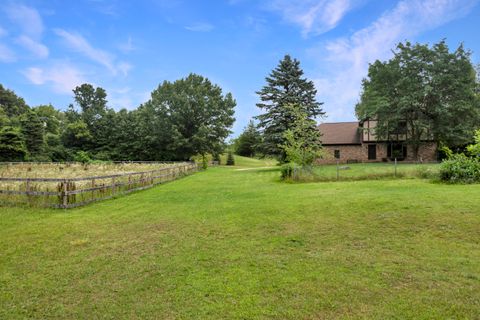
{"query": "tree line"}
[(184, 118), (432, 89)]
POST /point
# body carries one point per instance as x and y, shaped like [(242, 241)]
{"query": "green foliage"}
[(302, 141), (204, 163), (429, 88), (474, 149), (4, 119), (82, 156), (247, 144), (77, 135), (12, 144), (92, 102), (285, 86), (189, 116), (216, 157), (33, 132), (230, 159), (460, 169), (287, 170), (12, 104), (447, 152), (51, 117)]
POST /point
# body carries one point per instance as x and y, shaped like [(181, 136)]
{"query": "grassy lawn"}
[(230, 243), (375, 171), (249, 162)]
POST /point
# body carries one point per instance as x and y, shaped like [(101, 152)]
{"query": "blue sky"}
[(129, 47)]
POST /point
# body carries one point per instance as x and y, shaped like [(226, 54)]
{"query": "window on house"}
[(337, 154), (399, 128)]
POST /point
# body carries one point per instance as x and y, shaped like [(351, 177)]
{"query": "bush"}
[(202, 160), (460, 169), (294, 172), (83, 157), (230, 159), (426, 173), (288, 170)]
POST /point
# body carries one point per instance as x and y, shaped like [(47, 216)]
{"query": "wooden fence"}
[(75, 192)]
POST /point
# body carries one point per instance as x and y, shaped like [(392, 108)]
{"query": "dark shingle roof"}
[(340, 133)]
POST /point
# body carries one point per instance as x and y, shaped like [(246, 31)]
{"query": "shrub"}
[(474, 149), (460, 169), (426, 173), (294, 172), (201, 160), (287, 170), (230, 159), (83, 157)]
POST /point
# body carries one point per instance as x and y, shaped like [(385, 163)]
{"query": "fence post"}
[(27, 189), (113, 186), (338, 171), (93, 191), (65, 195), (395, 167)]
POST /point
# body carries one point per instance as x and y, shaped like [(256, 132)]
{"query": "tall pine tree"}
[(285, 86), (33, 130)]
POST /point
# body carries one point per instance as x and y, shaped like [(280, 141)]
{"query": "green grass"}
[(376, 171), (239, 244), (249, 162)]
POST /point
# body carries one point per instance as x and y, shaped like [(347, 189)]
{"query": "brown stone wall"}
[(427, 153), (347, 152)]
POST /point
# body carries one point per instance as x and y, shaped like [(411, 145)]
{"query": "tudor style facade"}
[(350, 142)]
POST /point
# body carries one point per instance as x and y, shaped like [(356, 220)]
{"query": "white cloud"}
[(37, 48), (124, 68), (348, 58), (200, 27), (6, 54), (80, 44), (30, 22), (313, 16), (27, 18), (62, 77), (127, 46)]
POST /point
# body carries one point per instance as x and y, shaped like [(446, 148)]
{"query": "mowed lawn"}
[(232, 243)]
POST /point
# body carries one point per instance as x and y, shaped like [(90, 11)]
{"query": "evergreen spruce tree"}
[(33, 130), (230, 159), (285, 86), (12, 145), (247, 143)]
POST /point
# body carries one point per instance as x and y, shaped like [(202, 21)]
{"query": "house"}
[(350, 142)]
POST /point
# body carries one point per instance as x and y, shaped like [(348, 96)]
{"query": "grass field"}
[(238, 244), (75, 170), (373, 171)]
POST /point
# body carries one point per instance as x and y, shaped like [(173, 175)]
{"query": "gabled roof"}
[(340, 133)]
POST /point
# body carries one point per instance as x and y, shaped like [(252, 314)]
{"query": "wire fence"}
[(366, 171)]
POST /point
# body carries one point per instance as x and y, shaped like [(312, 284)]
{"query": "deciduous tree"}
[(432, 89)]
